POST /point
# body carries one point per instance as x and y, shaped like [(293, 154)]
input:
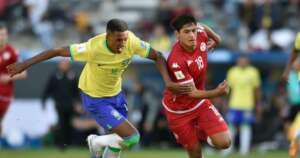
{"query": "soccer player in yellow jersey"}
[(106, 56), (244, 82), (295, 136)]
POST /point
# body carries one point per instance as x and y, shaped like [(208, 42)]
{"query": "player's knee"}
[(223, 143), (131, 141)]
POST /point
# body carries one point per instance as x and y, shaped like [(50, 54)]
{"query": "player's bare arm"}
[(19, 67), (214, 38), (222, 89), (4, 78), (161, 65)]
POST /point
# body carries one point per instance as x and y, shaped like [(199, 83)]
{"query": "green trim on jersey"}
[(106, 46), (71, 50), (148, 52)]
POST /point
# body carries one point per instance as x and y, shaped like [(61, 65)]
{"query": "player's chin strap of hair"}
[(129, 142)]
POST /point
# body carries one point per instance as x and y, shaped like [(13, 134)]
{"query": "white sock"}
[(245, 139), (111, 152), (112, 140)]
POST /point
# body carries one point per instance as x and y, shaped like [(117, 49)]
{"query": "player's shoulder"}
[(96, 41), (176, 58), (175, 52), (11, 49), (98, 38), (231, 70), (252, 69), (131, 34)]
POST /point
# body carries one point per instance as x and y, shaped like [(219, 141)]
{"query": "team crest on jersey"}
[(203, 46), (6, 55), (179, 75)]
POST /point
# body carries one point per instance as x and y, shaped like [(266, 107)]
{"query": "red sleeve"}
[(201, 34), (8, 56), (13, 55), (179, 71)]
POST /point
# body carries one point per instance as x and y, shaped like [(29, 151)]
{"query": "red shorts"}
[(192, 127), (3, 107)]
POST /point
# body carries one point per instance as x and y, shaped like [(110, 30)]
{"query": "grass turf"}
[(147, 153)]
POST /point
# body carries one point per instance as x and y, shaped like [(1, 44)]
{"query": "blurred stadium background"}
[(263, 29)]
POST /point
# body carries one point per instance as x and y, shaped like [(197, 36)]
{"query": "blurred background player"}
[(8, 55), (291, 74), (37, 12), (62, 88), (107, 56), (293, 57), (244, 82), (192, 117)]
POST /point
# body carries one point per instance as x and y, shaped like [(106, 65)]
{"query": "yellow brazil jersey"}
[(243, 82), (101, 75), (297, 42), (294, 127), (297, 47)]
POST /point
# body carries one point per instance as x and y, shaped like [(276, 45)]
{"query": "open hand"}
[(223, 88), (15, 68)]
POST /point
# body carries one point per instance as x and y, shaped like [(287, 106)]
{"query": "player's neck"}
[(187, 48)]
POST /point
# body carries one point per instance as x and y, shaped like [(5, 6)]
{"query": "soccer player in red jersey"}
[(192, 117), (8, 55)]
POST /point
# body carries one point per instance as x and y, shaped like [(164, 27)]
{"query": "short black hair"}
[(118, 25), (182, 20)]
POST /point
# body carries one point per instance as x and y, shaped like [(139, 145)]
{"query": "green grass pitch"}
[(146, 153)]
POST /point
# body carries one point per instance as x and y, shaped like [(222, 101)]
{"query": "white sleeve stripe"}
[(187, 81), (183, 111)]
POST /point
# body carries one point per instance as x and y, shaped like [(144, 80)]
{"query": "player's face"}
[(3, 36), (117, 41), (187, 35), (243, 61)]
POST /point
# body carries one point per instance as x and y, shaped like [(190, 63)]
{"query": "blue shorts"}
[(239, 117), (109, 112)]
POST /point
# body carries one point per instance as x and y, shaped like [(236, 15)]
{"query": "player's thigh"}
[(214, 126), (125, 129), (103, 111), (3, 108), (184, 131)]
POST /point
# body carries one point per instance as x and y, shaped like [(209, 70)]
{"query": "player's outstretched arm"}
[(222, 89), (19, 67), (289, 64), (161, 65)]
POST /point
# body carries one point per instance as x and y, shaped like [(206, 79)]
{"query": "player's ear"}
[(176, 34)]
